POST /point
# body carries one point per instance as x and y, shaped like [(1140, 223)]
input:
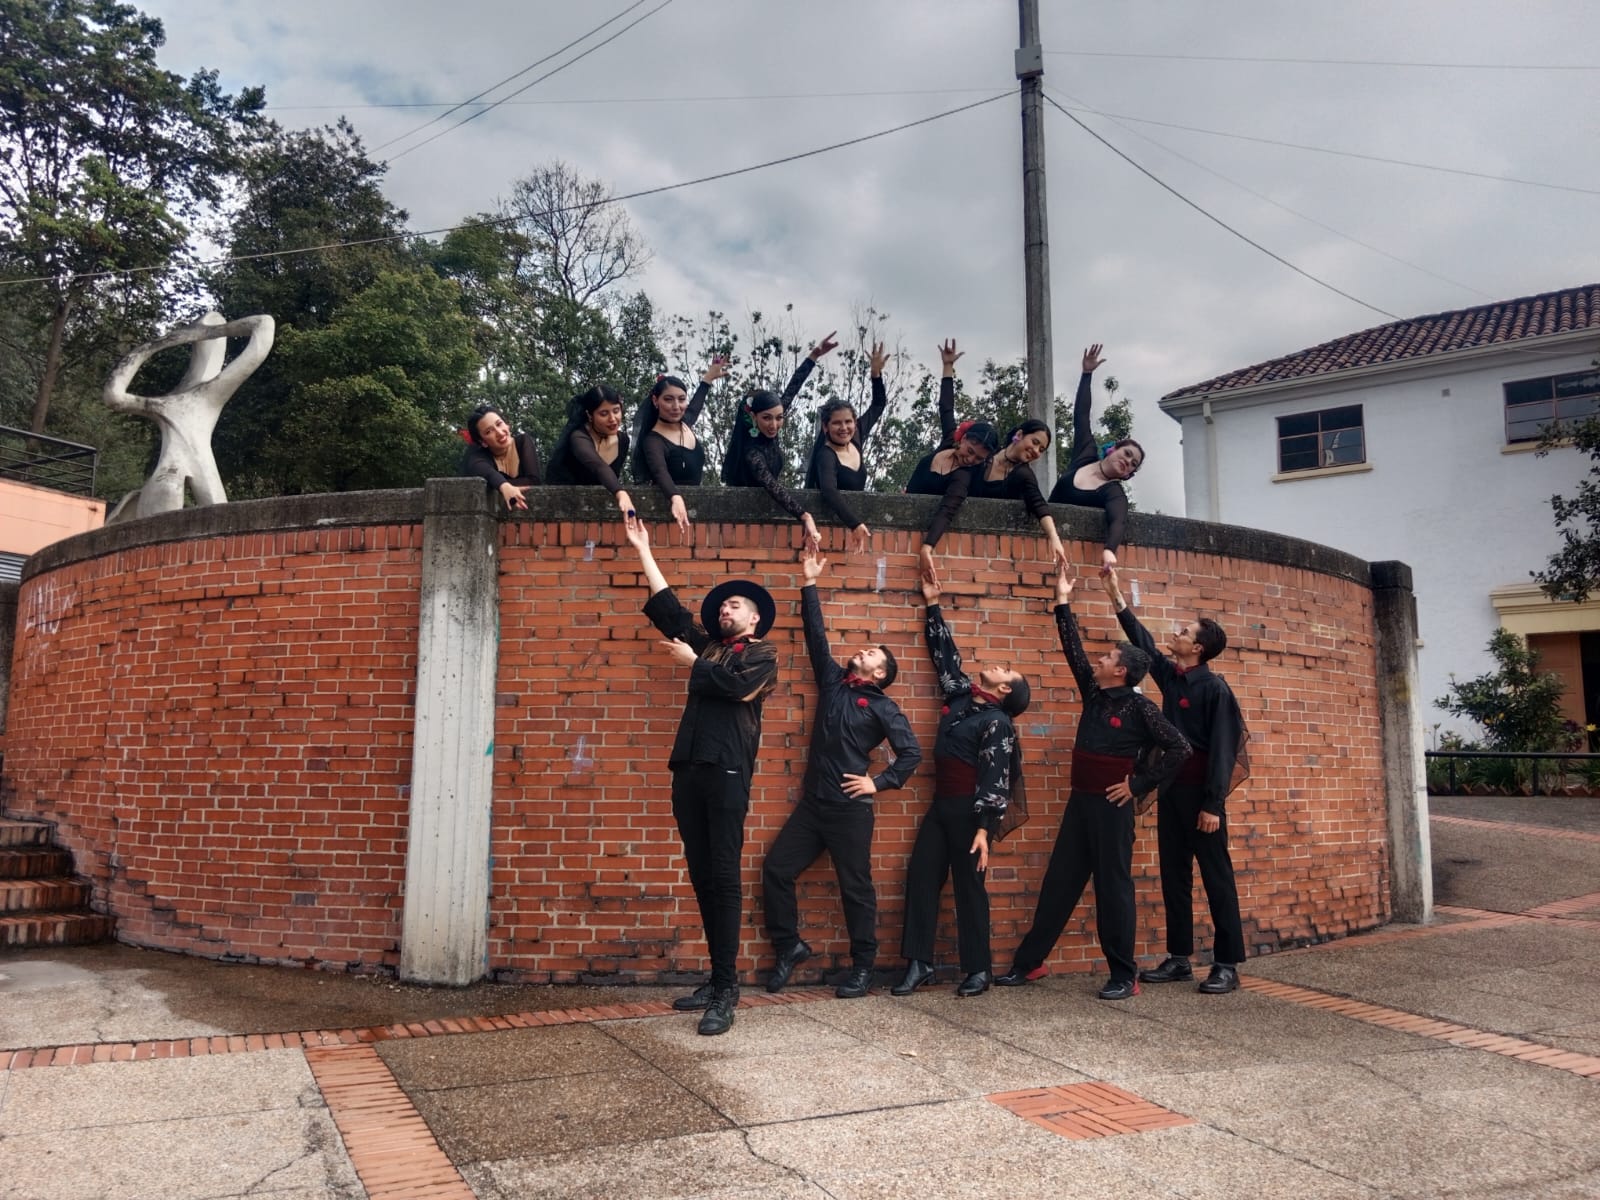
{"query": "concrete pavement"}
[(1459, 1059)]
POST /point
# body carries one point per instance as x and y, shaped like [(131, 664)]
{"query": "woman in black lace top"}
[(755, 459), (593, 446), (960, 445), (1090, 480), (665, 448), (838, 459), (508, 462)]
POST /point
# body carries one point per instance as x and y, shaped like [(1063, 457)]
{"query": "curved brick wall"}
[(216, 707)]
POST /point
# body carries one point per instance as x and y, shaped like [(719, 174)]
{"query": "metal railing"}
[(47, 461), (1535, 757)]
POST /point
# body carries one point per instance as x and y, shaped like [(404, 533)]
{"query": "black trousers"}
[(1182, 845), (1095, 839), (942, 849), (710, 804), (844, 830)]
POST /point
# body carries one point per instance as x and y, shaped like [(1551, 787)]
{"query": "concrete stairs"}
[(41, 903)]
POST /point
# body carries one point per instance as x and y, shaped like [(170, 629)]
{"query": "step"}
[(24, 833), (53, 929), (33, 862), (54, 894)]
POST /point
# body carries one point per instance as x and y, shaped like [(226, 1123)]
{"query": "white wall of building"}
[(1441, 491)]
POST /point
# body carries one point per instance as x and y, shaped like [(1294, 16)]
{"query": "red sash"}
[(1097, 772)]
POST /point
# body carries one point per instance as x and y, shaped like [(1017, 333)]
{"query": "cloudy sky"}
[(926, 223)]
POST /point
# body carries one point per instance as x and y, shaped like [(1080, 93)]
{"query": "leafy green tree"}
[(105, 162), (1518, 705), (1573, 571)]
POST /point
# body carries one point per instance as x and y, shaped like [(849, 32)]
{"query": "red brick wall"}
[(222, 727)]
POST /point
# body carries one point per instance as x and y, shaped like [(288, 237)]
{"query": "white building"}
[(1416, 441)]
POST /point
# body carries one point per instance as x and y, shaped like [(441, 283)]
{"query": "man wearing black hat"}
[(1190, 820), (1124, 750), (978, 779), (835, 812), (714, 755)]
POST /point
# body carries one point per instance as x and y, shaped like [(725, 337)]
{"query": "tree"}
[(1573, 571), (1518, 705), (105, 159), (581, 242)]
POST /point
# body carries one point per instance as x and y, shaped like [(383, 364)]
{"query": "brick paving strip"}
[(1566, 835), (393, 1151), (1088, 1110), (1586, 1065)]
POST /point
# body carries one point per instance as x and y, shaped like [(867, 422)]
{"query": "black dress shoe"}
[(855, 985), (1119, 989), (1016, 977), (975, 984), (787, 962), (718, 1017), (917, 974), (695, 1000), (1174, 969), (1222, 979)]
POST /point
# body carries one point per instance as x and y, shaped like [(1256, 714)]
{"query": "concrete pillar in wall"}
[(444, 926), (1394, 607)]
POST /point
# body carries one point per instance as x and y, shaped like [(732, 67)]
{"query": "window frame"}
[(1555, 400), (1321, 448)]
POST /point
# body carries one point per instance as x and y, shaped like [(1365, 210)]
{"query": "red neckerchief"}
[(986, 697), (734, 643), (857, 681)]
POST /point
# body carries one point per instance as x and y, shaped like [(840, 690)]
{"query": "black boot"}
[(975, 984), (787, 962), (855, 985), (718, 1017), (917, 974), (695, 1000)]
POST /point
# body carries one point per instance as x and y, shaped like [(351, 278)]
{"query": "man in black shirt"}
[(1125, 750), (1190, 822), (714, 755), (835, 811)]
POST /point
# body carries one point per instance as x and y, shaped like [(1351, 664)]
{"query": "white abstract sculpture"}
[(188, 414)]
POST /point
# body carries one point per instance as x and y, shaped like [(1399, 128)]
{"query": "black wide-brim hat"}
[(750, 590)]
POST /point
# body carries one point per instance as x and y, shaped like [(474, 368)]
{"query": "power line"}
[(1328, 62), (1262, 196), (655, 191), (679, 99), (1217, 220), (503, 82), (1396, 162), (553, 71)]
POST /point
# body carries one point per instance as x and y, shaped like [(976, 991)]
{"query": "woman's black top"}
[(1108, 496), (479, 461), (667, 464), (763, 463), (827, 472), (577, 461), (925, 481), (1021, 483)]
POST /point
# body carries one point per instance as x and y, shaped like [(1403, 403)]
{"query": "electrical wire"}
[(1266, 199), (636, 195), (622, 100), (493, 86), (1051, 100), (1327, 62), (482, 112), (1396, 162)]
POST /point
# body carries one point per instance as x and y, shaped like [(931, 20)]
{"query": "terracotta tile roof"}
[(1463, 329)]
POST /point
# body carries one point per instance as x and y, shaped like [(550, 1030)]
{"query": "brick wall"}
[(222, 725)]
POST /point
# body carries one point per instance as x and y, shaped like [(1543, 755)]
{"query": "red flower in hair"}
[(466, 436), (1116, 722)]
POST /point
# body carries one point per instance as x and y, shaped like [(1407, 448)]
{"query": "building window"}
[(1330, 438), (1531, 404)]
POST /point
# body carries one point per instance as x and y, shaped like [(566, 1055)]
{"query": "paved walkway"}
[(1460, 1059)]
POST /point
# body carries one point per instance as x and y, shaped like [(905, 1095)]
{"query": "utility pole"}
[(1036, 234)]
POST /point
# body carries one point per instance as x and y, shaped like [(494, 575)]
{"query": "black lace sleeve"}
[(756, 462), (868, 420), (653, 448), (1162, 755), (478, 461), (1072, 647), (802, 372), (955, 495)]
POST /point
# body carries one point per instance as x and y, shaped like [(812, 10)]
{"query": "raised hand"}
[(811, 565), (638, 536), (948, 355), (717, 369), (879, 359), (826, 346), (1064, 585), (1092, 359)]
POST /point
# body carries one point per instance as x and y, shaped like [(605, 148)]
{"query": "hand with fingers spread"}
[(1092, 359), (514, 496), (858, 787), (1064, 585), (879, 360), (826, 346), (717, 369), (948, 355), (812, 565)]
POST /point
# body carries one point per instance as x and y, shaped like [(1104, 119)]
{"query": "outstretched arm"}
[(822, 665), (1161, 668), (1083, 450), (947, 391), (941, 645), (639, 536), (1071, 643)]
